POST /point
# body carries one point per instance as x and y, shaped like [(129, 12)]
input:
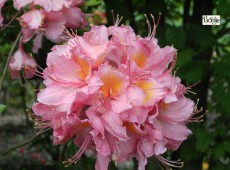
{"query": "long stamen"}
[(169, 164), (196, 111), (39, 123), (39, 67), (155, 25), (79, 153), (118, 20), (152, 31), (113, 17), (149, 26), (33, 71)]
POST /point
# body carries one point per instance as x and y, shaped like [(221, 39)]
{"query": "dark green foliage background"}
[(203, 55)]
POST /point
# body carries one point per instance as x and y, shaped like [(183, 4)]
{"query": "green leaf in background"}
[(184, 57), (2, 108), (176, 36), (223, 7), (192, 71), (202, 37), (204, 140), (93, 2)]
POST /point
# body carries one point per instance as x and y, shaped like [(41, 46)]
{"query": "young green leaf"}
[(2, 108), (92, 2)]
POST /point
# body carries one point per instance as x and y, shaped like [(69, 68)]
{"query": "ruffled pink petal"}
[(1, 19), (102, 162), (37, 42), (125, 150), (123, 35), (20, 60), (152, 90), (16, 61), (94, 83), (176, 112), (178, 132), (136, 95), (113, 124), (95, 43), (54, 25), (65, 69), (2, 2), (120, 104), (102, 144), (71, 124), (32, 19), (160, 59), (74, 17), (27, 34), (135, 115), (47, 112), (57, 95), (95, 120), (160, 147), (46, 4), (18, 4), (30, 66)]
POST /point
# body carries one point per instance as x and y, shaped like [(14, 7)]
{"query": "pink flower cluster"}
[(114, 93), (43, 17), (49, 18), (20, 60), (2, 2)]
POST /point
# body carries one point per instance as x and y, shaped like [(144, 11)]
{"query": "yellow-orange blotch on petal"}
[(85, 68), (113, 83), (147, 87), (139, 58)]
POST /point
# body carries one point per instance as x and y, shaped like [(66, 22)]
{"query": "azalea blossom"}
[(39, 22), (41, 18), (2, 2), (20, 60), (114, 93)]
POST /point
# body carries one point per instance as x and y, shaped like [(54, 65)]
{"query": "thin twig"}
[(23, 143), (8, 60)]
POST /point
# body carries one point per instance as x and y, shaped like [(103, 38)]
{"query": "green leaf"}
[(2, 108), (93, 2), (176, 36), (193, 71), (184, 57), (220, 150), (223, 8), (204, 140), (200, 36)]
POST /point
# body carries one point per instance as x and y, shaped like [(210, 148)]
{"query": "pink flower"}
[(2, 2), (114, 93), (18, 4), (20, 60), (32, 19), (57, 5), (50, 19), (51, 24)]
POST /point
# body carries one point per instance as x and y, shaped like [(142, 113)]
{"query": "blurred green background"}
[(203, 56)]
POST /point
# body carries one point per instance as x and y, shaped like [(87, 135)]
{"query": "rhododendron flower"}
[(51, 24), (2, 2), (114, 93), (20, 60), (48, 5)]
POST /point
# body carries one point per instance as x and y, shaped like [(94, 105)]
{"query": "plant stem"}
[(23, 143), (8, 60)]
